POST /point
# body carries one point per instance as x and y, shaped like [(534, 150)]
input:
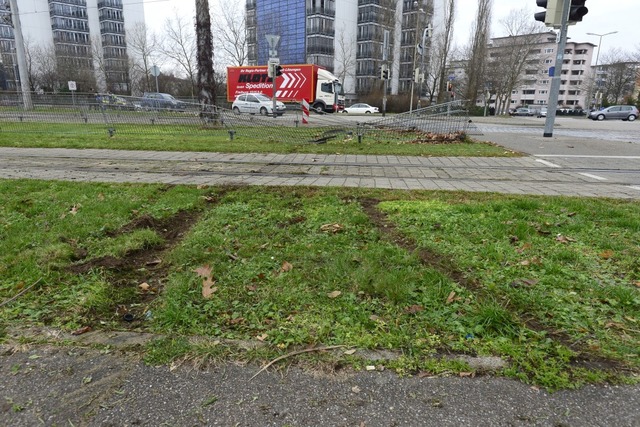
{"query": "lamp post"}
[(597, 103), (412, 74)]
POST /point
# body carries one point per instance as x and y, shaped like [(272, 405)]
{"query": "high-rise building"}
[(351, 38), (85, 38)]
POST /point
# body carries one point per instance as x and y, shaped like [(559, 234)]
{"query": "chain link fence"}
[(109, 114)]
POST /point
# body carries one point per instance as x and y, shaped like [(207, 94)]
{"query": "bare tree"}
[(45, 68), (179, 45), (345, 58), (206, 77), (509, 55), (143, 47), (229, 25), (476, 66), (621, 73)]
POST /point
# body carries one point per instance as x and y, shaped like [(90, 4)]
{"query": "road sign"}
[(72, 85), (155, 70)]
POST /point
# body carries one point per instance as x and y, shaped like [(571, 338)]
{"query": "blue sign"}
[(552, 71)]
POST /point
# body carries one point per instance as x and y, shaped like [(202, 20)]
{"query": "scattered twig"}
[(294, 353), (22, 292)]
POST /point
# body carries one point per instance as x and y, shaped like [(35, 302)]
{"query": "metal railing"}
[(107, 115)]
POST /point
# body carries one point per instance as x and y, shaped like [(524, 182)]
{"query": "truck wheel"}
[(263, 111), (318, 108), (236, 110)]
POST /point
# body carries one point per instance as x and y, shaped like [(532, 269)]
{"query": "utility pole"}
[(557, 72), (21, 56)]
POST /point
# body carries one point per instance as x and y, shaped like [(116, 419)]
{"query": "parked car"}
[(256, 103), (161, 101), (542, 112), (621, 112), (523, 112), (361, 108)]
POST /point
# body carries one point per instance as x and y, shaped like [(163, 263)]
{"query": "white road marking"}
[(544, 162), (634, 187), (588, 157), (588, 175)]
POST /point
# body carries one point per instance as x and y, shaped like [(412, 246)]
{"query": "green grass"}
[(246, 140), (543, 282)]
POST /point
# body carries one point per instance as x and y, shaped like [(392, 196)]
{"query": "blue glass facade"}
[(286, 19)]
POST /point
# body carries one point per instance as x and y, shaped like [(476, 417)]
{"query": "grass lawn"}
[(549, 284), (246, 140)]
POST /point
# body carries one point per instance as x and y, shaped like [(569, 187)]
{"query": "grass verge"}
[(551, 285), (246, 140)]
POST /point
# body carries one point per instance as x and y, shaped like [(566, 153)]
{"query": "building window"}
[(549, 50)]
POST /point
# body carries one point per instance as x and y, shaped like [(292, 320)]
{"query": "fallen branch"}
[(294, 353), (22, 292)]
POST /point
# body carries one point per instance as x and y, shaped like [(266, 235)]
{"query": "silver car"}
[(256, 103), (620, 112)]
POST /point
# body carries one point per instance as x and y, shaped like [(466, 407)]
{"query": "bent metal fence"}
[(109, 115)]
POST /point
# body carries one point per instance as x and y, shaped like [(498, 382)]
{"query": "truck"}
[(318, 86)]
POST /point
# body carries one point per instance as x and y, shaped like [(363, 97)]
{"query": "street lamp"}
[(413, 73), (597, 103)]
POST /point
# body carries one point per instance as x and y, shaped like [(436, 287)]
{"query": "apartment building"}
[(534, 83), (87, 38), (351, 38)]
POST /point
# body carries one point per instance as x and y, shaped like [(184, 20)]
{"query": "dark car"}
[(161, 101)]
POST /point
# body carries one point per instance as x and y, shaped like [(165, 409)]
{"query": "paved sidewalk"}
[(516, 175)]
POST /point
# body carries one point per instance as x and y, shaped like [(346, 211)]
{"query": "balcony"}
[(322, 11)]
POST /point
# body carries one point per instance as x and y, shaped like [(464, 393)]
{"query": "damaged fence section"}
[(108, 115)]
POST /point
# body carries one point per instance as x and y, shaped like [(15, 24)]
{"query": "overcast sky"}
[(604, 16)]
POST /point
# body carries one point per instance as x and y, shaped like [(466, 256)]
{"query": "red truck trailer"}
[(317, 85)]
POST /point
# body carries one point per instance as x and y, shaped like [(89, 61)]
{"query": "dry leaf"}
[(355, 389), (74, 209), (334, 294), (350, 352), (81, 331), (525, 262), (451, 297), (202, 186), (370, 368), (144, 287), (101, 197), (204, 271), (286, 267), (637, 284), (467, 374), (207, 287), (606, 254), (564, 239), (262, 337), (413, 309), (331, 228)]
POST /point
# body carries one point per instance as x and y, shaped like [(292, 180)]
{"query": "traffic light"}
[(278, 70), (552, 17), (384, 72), (577, 11), (450, 87)]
